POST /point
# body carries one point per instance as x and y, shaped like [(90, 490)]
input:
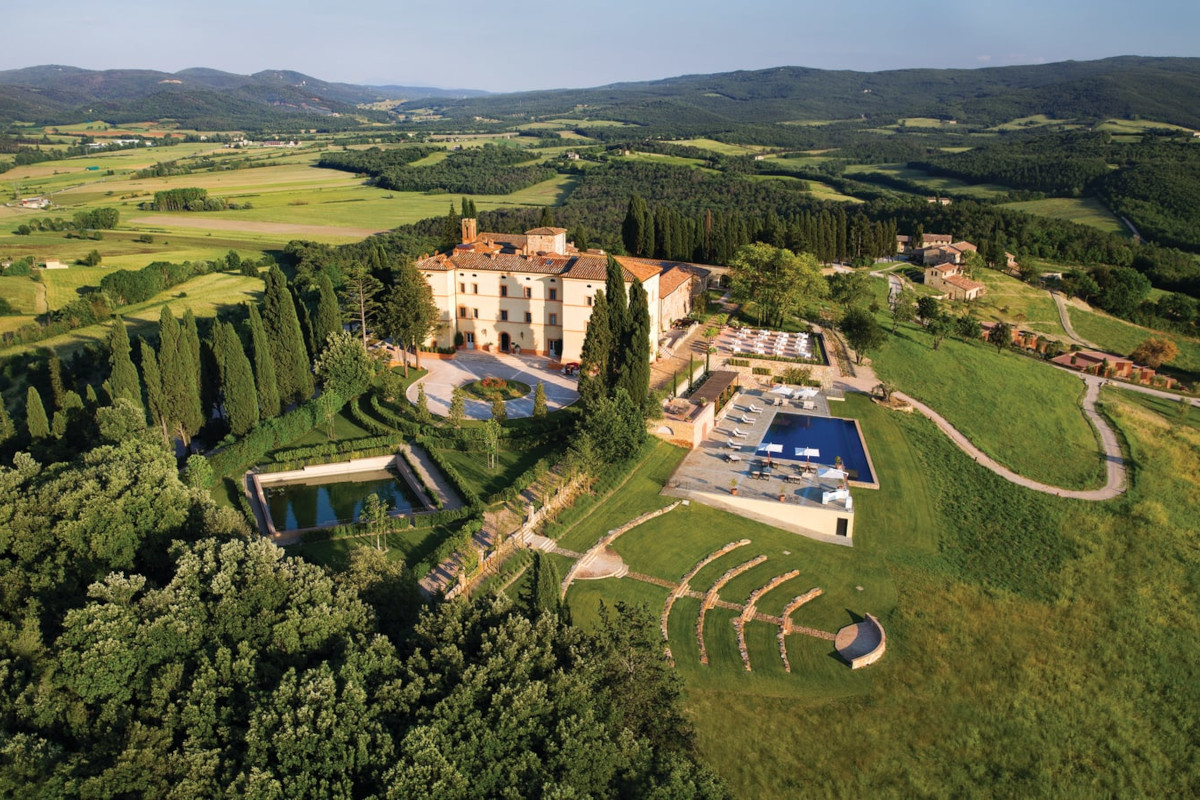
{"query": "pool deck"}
[(707, 473)]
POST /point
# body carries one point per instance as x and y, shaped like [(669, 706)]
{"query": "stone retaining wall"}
[(713, 594), (607, 540)]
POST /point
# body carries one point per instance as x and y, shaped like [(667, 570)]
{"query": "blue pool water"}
[(335, 500), (832, 436)]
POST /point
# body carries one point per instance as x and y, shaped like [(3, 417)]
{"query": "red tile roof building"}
[(534, 291)]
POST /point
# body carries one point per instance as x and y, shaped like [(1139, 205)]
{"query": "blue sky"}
[(510, 45)]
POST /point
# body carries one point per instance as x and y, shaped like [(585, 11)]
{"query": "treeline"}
[(95, 220), (185, 199), (126, 287), (489, 169), (1155, 183), (374, 161)]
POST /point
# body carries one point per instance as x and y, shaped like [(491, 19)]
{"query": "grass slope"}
[(1023, 413)]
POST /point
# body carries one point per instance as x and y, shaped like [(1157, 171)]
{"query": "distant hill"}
[(1163, 89), (198, 97)]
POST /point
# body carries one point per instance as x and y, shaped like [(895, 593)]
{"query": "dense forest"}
[(490, 169)]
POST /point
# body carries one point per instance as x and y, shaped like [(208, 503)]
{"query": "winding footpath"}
[(1065, 318), (1115, 483)]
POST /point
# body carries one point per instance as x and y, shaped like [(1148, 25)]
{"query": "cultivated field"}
[(863, 172), (1084, 210)]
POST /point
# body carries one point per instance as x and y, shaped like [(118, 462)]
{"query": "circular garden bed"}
[(490, 388)]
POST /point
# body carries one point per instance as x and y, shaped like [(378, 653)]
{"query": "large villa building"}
[(534, 292)]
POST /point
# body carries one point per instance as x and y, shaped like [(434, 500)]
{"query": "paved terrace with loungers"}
[(708, 472)]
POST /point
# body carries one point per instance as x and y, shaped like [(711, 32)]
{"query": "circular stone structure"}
[(861, 644)]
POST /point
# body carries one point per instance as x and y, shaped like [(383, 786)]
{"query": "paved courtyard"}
[(468, 366)]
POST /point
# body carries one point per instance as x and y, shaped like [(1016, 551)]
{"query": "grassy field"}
[(1017, 303), (205, 295), (1084, 210), (1034, 121), (1036, 646), (723, 148), (1120, 337), (1022, 413), (863, 172)]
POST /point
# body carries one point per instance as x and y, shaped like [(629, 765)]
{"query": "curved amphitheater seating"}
[(786, 627), (712, 596), (683, 587), (861, 644), (751, 608)]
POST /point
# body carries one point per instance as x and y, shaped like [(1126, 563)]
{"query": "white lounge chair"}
[(735, 445), (809, 405), (732, 457), (753, 409), (739, 433)]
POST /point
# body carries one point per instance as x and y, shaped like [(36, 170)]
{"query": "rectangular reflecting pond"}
[(335, 499)]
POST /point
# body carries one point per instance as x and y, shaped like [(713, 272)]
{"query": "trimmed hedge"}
[(264, 437), (521, 482)]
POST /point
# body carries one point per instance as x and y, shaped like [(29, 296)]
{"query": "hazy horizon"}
[(519, 46)]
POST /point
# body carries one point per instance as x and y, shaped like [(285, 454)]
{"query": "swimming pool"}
[(833, 436), (334, 499)]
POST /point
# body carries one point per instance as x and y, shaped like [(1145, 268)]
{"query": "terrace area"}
[(736, 469)]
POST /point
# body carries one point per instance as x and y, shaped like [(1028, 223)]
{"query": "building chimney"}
[(468, 230)]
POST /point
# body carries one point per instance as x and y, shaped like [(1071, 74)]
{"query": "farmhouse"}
[(534, 292), (35, 202), (948, 278)]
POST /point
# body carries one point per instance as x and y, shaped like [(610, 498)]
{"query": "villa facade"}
[(534, 292)]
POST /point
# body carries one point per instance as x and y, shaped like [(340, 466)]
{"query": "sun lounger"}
[(732, 457), (739, 433), (753, 409), (735, 445)]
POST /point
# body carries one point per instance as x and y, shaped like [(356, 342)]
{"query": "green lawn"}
[(1084, 210), (1034, 643), (509, 464), (635, 497), (25, 295), (1023, 413)]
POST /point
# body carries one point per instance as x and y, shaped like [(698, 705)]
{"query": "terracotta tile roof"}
[(499, 262), (964, 247), (595, 268), (508, 241), (545, 231), (966, 284), (672, 279)]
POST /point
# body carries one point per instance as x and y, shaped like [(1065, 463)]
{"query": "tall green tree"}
[(237, 379), (596, 353), (293, 371), (409, 315), (35, 415), (202, 367), (179, 379), (539, 401), (8, 430), (360, 298), (311, 343), (54, 373), (265, 384), (344, 366), (634, 352), (328, 318), (123, 380), (618, 317), (633, 229), (156, 399), (862, 331), (779, 282)]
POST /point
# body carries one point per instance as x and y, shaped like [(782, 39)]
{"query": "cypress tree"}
[(632, 228), (547, 218), (542, 595), (54, 372), (635, 350), (595, 355), (200, 371), (35, 415), (539, 401), (265, 384), (182, 400), (124, 381), (156, 399), (7, 429), (67, 417), (237, 380), (312, 344), (293, 370), (618, 320), (328, 318)]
